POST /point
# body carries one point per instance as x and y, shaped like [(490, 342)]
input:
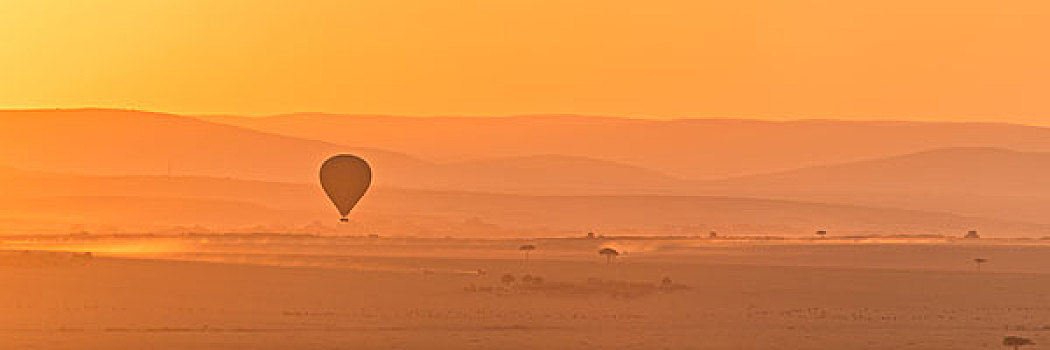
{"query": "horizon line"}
[(651, 118)]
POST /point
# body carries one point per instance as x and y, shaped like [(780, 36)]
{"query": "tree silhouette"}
[(609, 254), (525, 249), (979, 261), (1016, 342)]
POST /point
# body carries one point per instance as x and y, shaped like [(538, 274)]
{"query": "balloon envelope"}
[(345, 178)]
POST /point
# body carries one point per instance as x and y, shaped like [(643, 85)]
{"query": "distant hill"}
[(118, 142), (975, 181), (145, 212), (985, 171), (60, 203), (696, 215), (556, 174), (127, 154), (16, 183), (686, 148)]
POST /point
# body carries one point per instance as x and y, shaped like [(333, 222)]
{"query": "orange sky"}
[(896, 59)]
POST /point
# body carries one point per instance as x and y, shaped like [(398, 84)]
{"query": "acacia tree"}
[(666, 284), (609, 254), (525, 249), (1017, 342), (979, 261)]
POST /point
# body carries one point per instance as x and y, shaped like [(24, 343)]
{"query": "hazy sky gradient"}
[(895, 59)]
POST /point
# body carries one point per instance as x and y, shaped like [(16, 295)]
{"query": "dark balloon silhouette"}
[(345, 178)]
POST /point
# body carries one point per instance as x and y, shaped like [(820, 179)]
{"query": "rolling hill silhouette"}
[(979, 171), (975, 181), (557, 174), (129, 152), (15, 183), (686, 148), (118, 142), (43, 202)]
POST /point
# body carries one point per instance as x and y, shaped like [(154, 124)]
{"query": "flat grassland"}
[(386, 293)]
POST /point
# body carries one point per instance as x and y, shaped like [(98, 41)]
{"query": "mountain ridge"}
[(694, 148)]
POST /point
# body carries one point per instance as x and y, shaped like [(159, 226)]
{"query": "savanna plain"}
[(314, 292)]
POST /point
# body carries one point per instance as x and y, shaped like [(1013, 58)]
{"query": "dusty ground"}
[(430, 294)]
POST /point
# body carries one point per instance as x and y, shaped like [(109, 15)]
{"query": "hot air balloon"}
[(345, 178)]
